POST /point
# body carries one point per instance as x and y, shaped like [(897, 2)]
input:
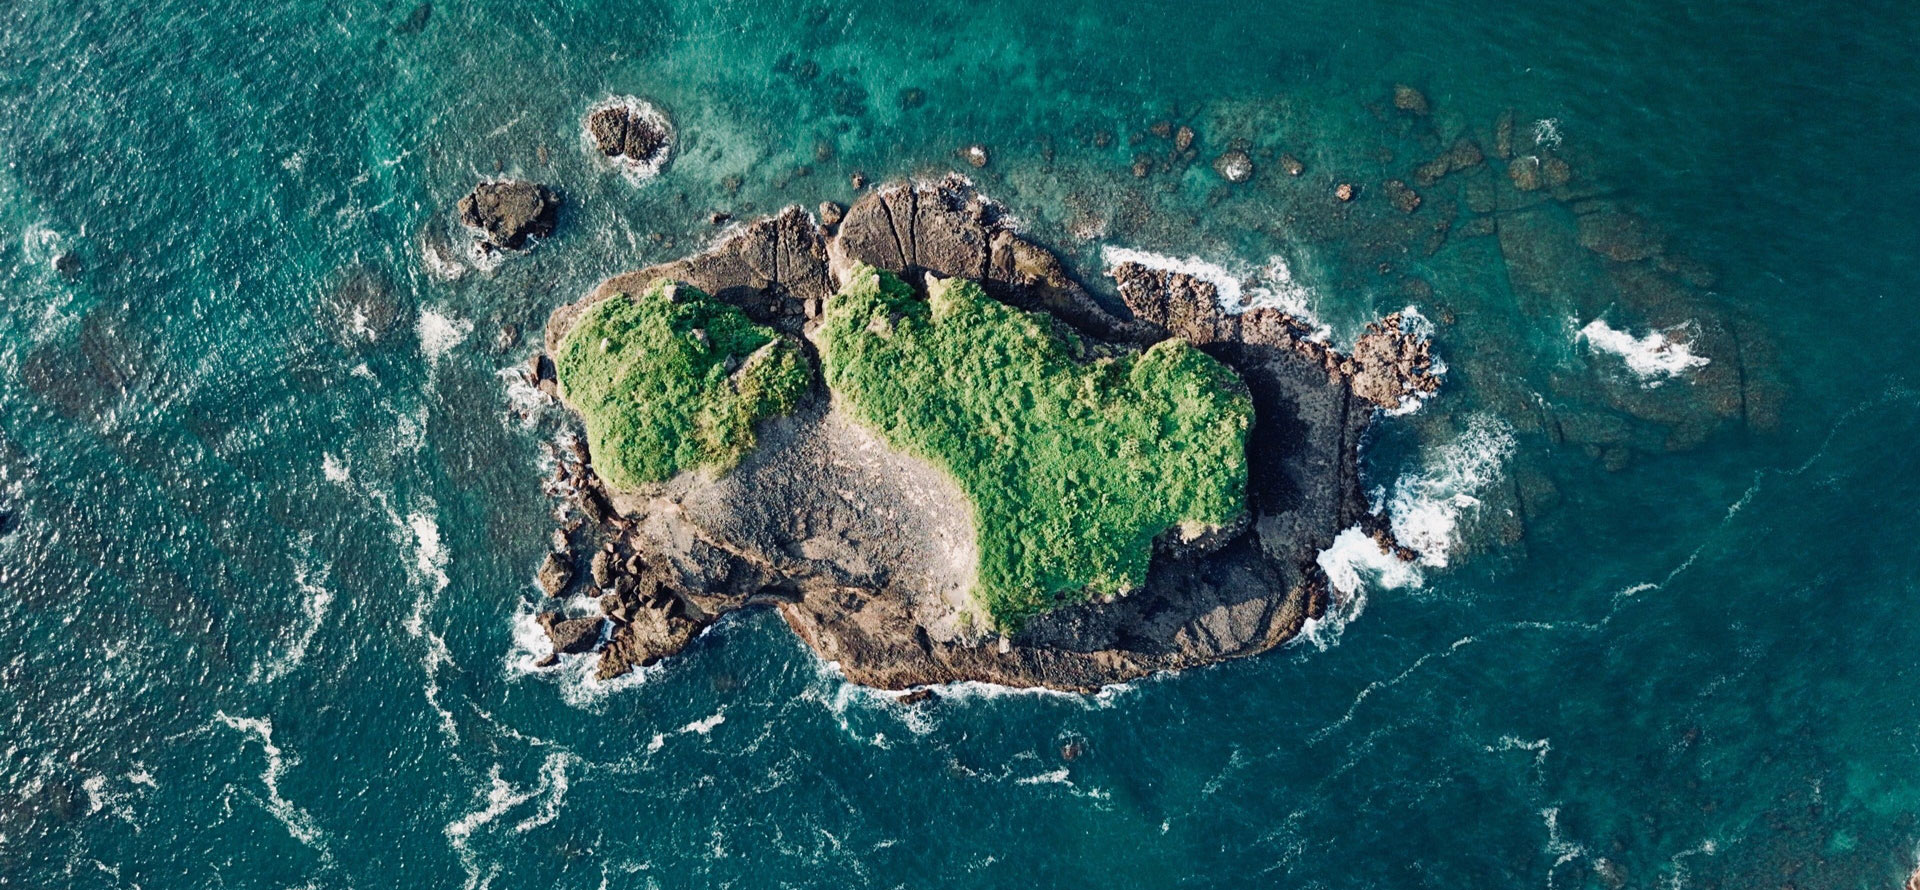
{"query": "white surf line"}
[(1378, 685), (501, 798), (298, 822)]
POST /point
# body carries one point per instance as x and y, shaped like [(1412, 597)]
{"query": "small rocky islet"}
[(869, 552)]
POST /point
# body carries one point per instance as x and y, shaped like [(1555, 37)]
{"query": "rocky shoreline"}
[(863, 550)]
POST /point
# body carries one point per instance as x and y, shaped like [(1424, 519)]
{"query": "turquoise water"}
[(265, 559)]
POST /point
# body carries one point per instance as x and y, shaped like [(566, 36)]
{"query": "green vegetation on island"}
[(1074, 460), (674, 380)]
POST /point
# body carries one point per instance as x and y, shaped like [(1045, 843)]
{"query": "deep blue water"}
[(264, 560)]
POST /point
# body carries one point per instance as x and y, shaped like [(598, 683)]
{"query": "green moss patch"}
[(1073, 465), (674, 380)]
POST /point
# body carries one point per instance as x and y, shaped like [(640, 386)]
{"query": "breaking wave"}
[(1270, 287), (1653, 358), (298, 822), (439, 333), (1426, 508)]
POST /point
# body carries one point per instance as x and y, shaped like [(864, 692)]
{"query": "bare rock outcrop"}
[(632, 133), (572, 635), (868, 553), (509, 213)]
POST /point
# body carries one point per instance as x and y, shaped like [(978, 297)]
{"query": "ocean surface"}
[(271, 506)]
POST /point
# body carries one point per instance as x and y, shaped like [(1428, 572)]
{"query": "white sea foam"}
[(704, 726), (298, 822), (42, 244), (1063, 778), (1677, 869), (501, 798), (101, 796), (523, 399), (484, 257), (439, 333), (1271, 286), (1539, 748), (430, 564), (1562, 850), (1653, 358), (553, 792), (441, 264), (1426, 508), (334, 471), (1057, 777), (316, 600), (1355, 560), (430, 556), (1546, 132)]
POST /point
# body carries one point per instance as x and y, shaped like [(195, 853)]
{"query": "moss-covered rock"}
[(1075, 459), (674, 380)]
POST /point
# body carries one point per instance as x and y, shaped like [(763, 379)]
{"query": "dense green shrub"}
[(1073, 465), (674, 380)]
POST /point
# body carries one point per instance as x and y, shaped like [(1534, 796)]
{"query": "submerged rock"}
[(1234, 166), (1410, 100), (1525, 173), (1404, 199), (509, 213)]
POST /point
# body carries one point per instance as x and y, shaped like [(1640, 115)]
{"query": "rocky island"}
[(941, 457)]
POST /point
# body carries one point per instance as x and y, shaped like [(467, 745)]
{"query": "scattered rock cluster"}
[(641, 617), (1390, 364)]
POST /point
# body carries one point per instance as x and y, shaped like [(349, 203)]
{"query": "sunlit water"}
[(272, 511)]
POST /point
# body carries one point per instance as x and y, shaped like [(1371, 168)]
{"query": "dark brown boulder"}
[(509, 212), (635, 135), (555, 574), (572, 636), (625, 131), (603, 568)]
